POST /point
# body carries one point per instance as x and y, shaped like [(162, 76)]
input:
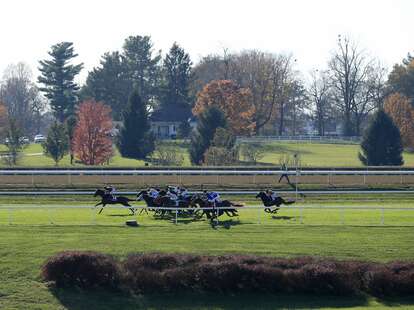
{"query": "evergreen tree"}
[(381, 145), (143, 68), (208, 121), (135, 139), (177, 75), (14, 142), (56, 145), (109, 83), (70, 130), (57, 76)]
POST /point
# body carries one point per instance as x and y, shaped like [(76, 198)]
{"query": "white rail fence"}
[(237, 178), (301, 138), (206, 172), (7, 214)]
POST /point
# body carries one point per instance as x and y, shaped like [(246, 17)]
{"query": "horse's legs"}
[(99, 203), (103, 206)]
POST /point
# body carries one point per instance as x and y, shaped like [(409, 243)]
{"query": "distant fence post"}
[(382, 216)]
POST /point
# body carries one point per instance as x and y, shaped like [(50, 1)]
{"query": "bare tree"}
[(350, 72), (319, 92), (21, 97), (268, 76)]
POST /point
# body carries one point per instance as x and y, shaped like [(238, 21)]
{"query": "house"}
[(166, 120)]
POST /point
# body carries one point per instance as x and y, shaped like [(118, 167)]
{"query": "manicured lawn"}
[(311, 155), (31, 238)]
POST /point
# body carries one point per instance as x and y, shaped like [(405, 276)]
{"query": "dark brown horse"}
[(269, 202), (107, 199), (212, 212)]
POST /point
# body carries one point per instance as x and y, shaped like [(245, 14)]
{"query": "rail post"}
[(382, 216), (301, 215), (342, 211), (258, 215), (176, 216)]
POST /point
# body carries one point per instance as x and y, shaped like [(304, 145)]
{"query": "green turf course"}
[(31, 238), (311, 155)]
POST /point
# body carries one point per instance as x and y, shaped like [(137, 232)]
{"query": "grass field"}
[(311, 155), (348, 234)]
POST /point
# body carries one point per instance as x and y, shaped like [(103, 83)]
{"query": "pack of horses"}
[(195, 205)]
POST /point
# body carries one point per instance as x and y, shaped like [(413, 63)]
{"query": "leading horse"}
[(107, 199), (269, 202)]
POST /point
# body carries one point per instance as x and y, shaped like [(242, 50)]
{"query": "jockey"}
[(182, 193), (153, 193), (173, 196), (272, 195), (213, 198), (110, 190)]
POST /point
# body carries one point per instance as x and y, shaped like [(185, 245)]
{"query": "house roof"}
[(171, 113)]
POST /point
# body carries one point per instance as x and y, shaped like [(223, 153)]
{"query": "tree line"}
[(257, 92)]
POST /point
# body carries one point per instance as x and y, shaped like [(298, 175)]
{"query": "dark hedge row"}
[(167, 273)]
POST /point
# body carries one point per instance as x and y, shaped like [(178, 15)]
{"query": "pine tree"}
[(177, 75), (381, 145), (57, 76), (142, 66), (70, 130), (56, 145), (208, 121), (109, 83), (135, 139)]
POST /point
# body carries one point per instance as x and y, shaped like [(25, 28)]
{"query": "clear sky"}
[(307, 29)]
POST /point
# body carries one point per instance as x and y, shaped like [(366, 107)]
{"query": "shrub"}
[(168, 155), (252, 152), (81, 269), (392, 279), (175, 273)]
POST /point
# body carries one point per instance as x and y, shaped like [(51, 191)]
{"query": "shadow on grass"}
[(101, 300), (283, 217), (120, 215), (227, 224)]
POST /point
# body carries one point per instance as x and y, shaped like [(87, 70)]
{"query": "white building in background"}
[(166, 121)]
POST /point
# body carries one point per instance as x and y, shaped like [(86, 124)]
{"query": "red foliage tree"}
[(92, 143)]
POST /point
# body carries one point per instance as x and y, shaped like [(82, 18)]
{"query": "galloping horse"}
[(162, 201), (269, 202), (108, 200), (225, 206)]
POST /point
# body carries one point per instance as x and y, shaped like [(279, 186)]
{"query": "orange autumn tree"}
[(92, 143), (398, 107), (234, 101)]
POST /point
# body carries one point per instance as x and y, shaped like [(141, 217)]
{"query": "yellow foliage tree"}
[(398, 107), (234, 101)]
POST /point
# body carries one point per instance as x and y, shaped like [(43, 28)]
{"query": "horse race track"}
[(32, 232)]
